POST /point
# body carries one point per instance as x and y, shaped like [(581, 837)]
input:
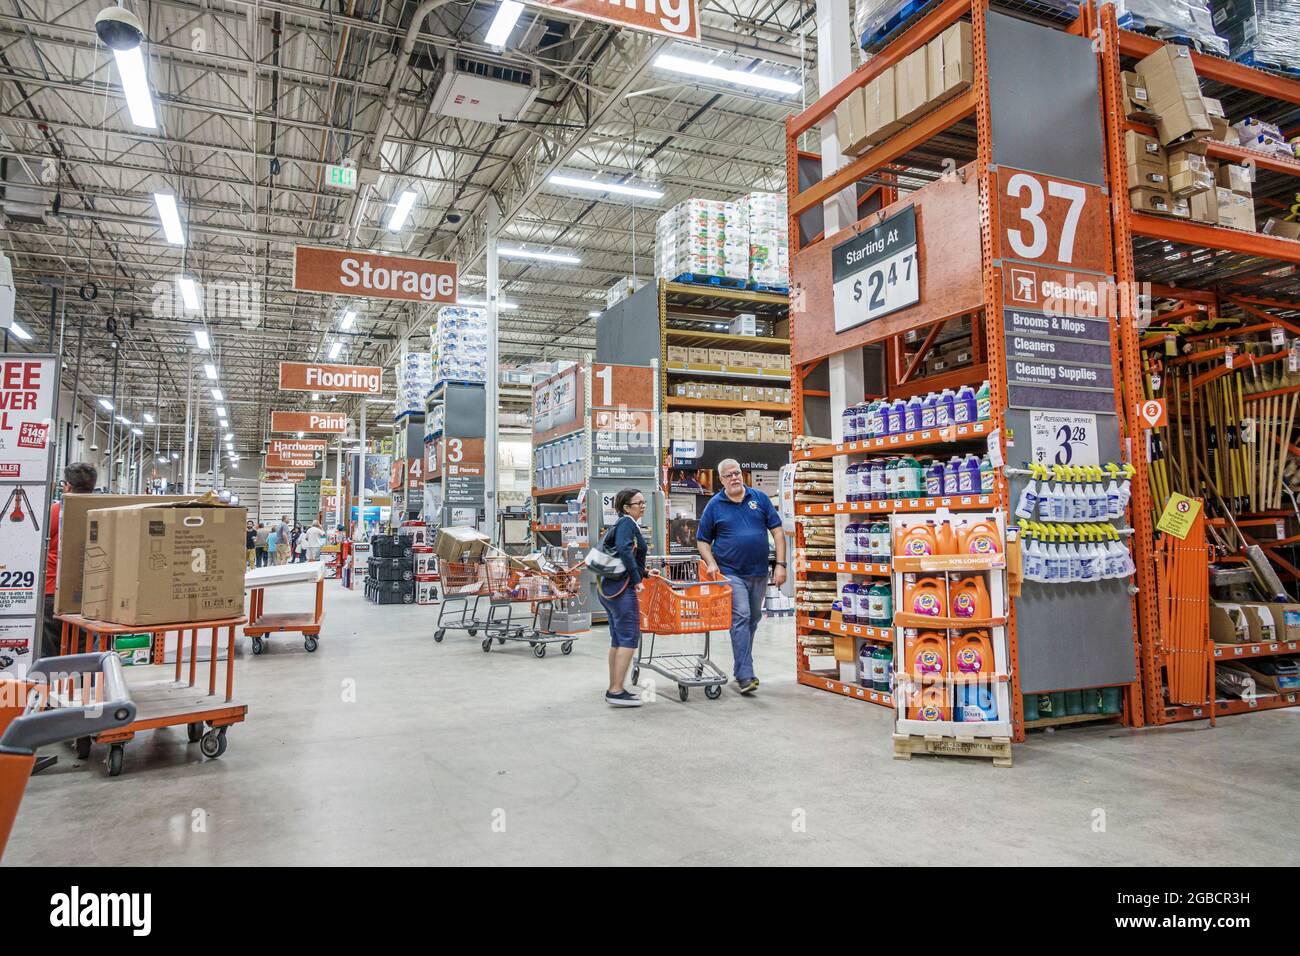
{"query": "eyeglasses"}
[(636, 504), (731, 474)]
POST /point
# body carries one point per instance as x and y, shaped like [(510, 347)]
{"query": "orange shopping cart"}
[(682, 599), (543, 590)]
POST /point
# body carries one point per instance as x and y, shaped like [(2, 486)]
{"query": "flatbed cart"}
[(541, 589), (37, 711), (261, 625), (164, 703), (682, 598)]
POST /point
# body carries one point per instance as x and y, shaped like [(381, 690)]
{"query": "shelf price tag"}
[(1278, 336)]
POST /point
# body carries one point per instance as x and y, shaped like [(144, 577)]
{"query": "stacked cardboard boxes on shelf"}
[(731, 392), (749, 425), (918, 84), (746, 239), (731, 358)]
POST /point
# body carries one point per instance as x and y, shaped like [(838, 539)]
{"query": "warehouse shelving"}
[(1207, 270), (921, 156)]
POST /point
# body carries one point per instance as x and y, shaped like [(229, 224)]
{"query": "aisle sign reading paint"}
[(876, 272), (679, 19), (313, 423), (27, 388), (1178, 516), (343, 379), (371, 275)]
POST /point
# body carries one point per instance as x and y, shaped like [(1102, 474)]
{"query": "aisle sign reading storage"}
[(679, 19), (314, 423), (27, 388), (372, 275), (343, 379), (876, 272)]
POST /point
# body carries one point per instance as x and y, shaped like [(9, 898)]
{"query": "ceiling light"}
[(480, 304), (189, 293), (594, 313), (136, 431), (380, 401), (19, 331), (170, 217), (148, 418), (162, 459), (401, 209), (135, 87), (515, 253), (105, 404), (176, 456), (123, 419), (711, 71), (201, 339), (601, 186), (217, 396), (508, 12), (221, 412), (210, 371), (349, 317), (229, 435), (335, 349), (300, 434)]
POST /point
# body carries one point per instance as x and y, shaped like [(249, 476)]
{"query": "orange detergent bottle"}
[(926, 660), (972, 653), (926, 595), (928, 702), (979, 537), (917, 540), (969, 597)]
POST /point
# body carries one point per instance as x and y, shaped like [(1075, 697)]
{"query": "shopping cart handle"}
[(27, 733)]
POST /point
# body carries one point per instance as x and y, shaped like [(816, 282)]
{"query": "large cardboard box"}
[(1137, 104), (1143, 150), (1235, 211), (460, 544), (1146, 176), (1150, 200), (851, 124), (911, 91), (1169, 75), (73, 513), (150, 564), (1191, 174), (1234, 177), (1281, 228), (1183, 118), (1205, 207), (950, 66), (1286, 619), (880, 106)]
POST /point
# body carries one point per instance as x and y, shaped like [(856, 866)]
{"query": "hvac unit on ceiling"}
[(483, 88)]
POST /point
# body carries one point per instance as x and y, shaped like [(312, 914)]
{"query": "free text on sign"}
[(316, 423), (313, 377), (674, 18), (290, 461), (373, 276), (297, 447)]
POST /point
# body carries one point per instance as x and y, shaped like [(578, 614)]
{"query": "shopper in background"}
[(78, 479), (273, 546), (618, 596), (294, 537), (732, 539), (314, 539), (282, 543), (261, 544)]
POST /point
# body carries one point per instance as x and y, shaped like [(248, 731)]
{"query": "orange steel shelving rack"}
[(960, 128), (1208, 270)]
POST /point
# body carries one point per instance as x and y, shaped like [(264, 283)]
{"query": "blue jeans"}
[(623, 611), (747, 595)]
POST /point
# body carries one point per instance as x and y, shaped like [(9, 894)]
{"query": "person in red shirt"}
[(78, 479)]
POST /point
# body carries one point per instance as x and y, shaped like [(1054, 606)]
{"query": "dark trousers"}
[(51, 631), (261, 557)]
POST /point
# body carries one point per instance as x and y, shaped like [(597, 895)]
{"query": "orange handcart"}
[(61, 698), (681, 597), (542, 589), (165, 703), (261, 625)]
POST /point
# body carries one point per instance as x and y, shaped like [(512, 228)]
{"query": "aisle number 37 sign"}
[(1052, 221)]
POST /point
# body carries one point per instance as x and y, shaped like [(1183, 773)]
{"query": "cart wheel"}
[(310, 643), (221, 740), (115, 759), (473, 631), (212, 744), (438, 635), (713, 691), (194, 731), (83, 748), (567, 648), (258, 646), (487, 645), (501, 640), (636, 675), (683, 692), (539, 650)]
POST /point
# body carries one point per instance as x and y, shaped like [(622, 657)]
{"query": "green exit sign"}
[(341, 177)]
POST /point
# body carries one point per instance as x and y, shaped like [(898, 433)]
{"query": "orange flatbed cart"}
[(261, 626), (165, 703)]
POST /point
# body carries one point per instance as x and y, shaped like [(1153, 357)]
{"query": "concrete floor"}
[(450, 756)]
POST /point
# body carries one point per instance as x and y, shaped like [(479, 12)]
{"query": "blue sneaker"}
[(622, 699)]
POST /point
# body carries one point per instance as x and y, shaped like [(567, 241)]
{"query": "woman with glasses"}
[(619, 595)]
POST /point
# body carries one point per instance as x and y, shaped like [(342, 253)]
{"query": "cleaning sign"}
[(1178, 516)]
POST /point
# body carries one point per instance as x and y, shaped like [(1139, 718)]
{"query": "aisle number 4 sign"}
[(876, 272), (1052, 221)]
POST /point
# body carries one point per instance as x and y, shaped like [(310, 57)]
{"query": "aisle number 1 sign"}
[(622, 386)]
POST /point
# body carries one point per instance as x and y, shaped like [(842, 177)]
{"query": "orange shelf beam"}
[(888, 443), (1214, 68), (1216, 237), (674, 401)]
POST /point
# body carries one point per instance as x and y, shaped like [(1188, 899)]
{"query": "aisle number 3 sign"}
[(1052, 221)]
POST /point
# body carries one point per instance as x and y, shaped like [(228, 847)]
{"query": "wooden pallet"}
[(998, 748)]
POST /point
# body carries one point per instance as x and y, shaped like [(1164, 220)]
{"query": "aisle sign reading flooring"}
[(313, 423), (372, 275), (343, 379), (27, 387), (876, 272), (464, 460), (1178, 516), (679, 19), (1063, 438)]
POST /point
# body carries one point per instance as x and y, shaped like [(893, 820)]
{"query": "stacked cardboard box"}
[(749, 425), (703, 237), (1175, 94), (727, 392), (949, 356), (732, 358)]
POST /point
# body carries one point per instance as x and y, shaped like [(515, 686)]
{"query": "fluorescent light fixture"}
[(148, 418), (221, 412), (349, 318), (19, 331), (105, 404), (170, 216), (380, 401), (162, 459), (508, 12), (711, 71), (135, 86), (210, 371), (217, 395), (481, 304), (201, 339), (229, 436), (594, 313), (516, 253), (123, 419), (189, 293), (335, 349), (401, 209), (136, 431), (603, 186), (176, 456)]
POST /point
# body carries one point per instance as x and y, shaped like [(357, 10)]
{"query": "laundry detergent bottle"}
[(978, 537), (968, 597), (927, 596), (963, 410), (919, 539)]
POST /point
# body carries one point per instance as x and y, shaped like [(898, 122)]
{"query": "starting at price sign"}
[(876, 272)]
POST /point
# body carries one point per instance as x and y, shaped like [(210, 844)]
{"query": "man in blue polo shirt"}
[(732, 538)]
